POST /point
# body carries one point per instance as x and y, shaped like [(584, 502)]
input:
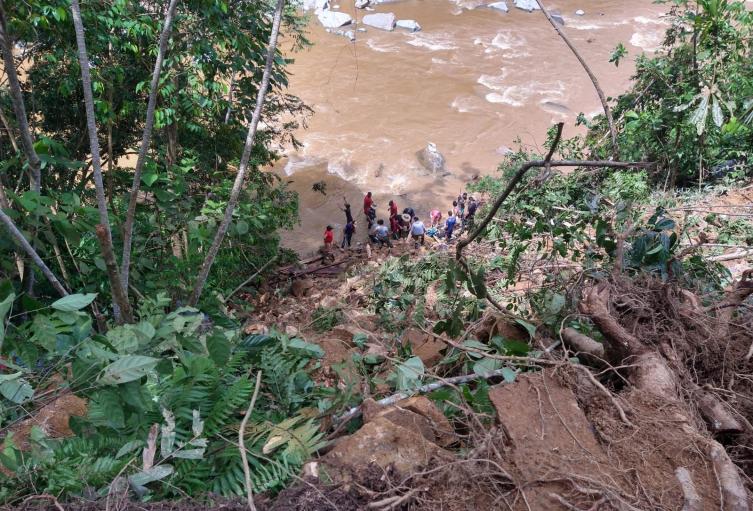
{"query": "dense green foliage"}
[(689, 107), (208, 84), (177, 370)]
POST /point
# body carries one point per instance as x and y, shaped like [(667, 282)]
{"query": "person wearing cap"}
[(405, 221)]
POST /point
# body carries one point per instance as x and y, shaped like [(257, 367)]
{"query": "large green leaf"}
[(128, 368), (16, 389), (409, 373), (73, 302), (306, 348)]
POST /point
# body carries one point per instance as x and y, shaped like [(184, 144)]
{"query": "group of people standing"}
[(405, 224)]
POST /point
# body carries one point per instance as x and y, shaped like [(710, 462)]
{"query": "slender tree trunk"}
[(145, 141), (230, 98), (6, 125), (110, 166), (17, 100), (104, 234), (602, 97), (240, 177), (23, 242)]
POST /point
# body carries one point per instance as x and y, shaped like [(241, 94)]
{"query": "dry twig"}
[(242, 444)]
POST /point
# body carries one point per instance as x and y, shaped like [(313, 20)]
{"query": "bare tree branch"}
[(145, 141), (243, 167), (33, 255), (602, 97), (121, 306)]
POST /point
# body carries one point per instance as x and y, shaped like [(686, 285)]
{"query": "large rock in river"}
[(411, 25), (499, 6), (381, 20), (527, 5), (431, 158), (332, 19)]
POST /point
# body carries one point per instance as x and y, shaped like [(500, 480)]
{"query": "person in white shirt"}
[(381, 234), (418, 230)]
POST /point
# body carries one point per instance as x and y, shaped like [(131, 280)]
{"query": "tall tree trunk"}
[(104, 233), (17, 100), (240, 177), (145, 141), (602, 97)]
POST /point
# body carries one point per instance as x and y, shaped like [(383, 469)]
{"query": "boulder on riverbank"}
[(410, 25), (430, 158), (527, 5), (332, 19), (381, 20)]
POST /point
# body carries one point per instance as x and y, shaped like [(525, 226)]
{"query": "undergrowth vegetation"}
[(175, 371)]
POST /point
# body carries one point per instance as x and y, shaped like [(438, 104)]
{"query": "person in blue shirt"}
[(449, 225), (350, 229)]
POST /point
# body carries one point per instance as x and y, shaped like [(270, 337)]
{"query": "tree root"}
[(583, 345), (692, 499), (734, 495)]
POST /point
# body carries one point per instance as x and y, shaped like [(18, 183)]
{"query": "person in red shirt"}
[(395, 227), (368, 203), (393, 208), (329, 237)]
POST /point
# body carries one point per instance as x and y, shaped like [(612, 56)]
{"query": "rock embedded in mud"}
[(332, 19), (300, 287), (418, 413), (548, 433), (380, 20), (426, 347), (431, 159), (527, 5), (499, 6), (580, 12), (411, 25), (385, 444)]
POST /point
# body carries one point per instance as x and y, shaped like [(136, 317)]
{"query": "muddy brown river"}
[(472, 81)]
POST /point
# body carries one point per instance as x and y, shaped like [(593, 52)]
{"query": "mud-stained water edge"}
[(472, 81)]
